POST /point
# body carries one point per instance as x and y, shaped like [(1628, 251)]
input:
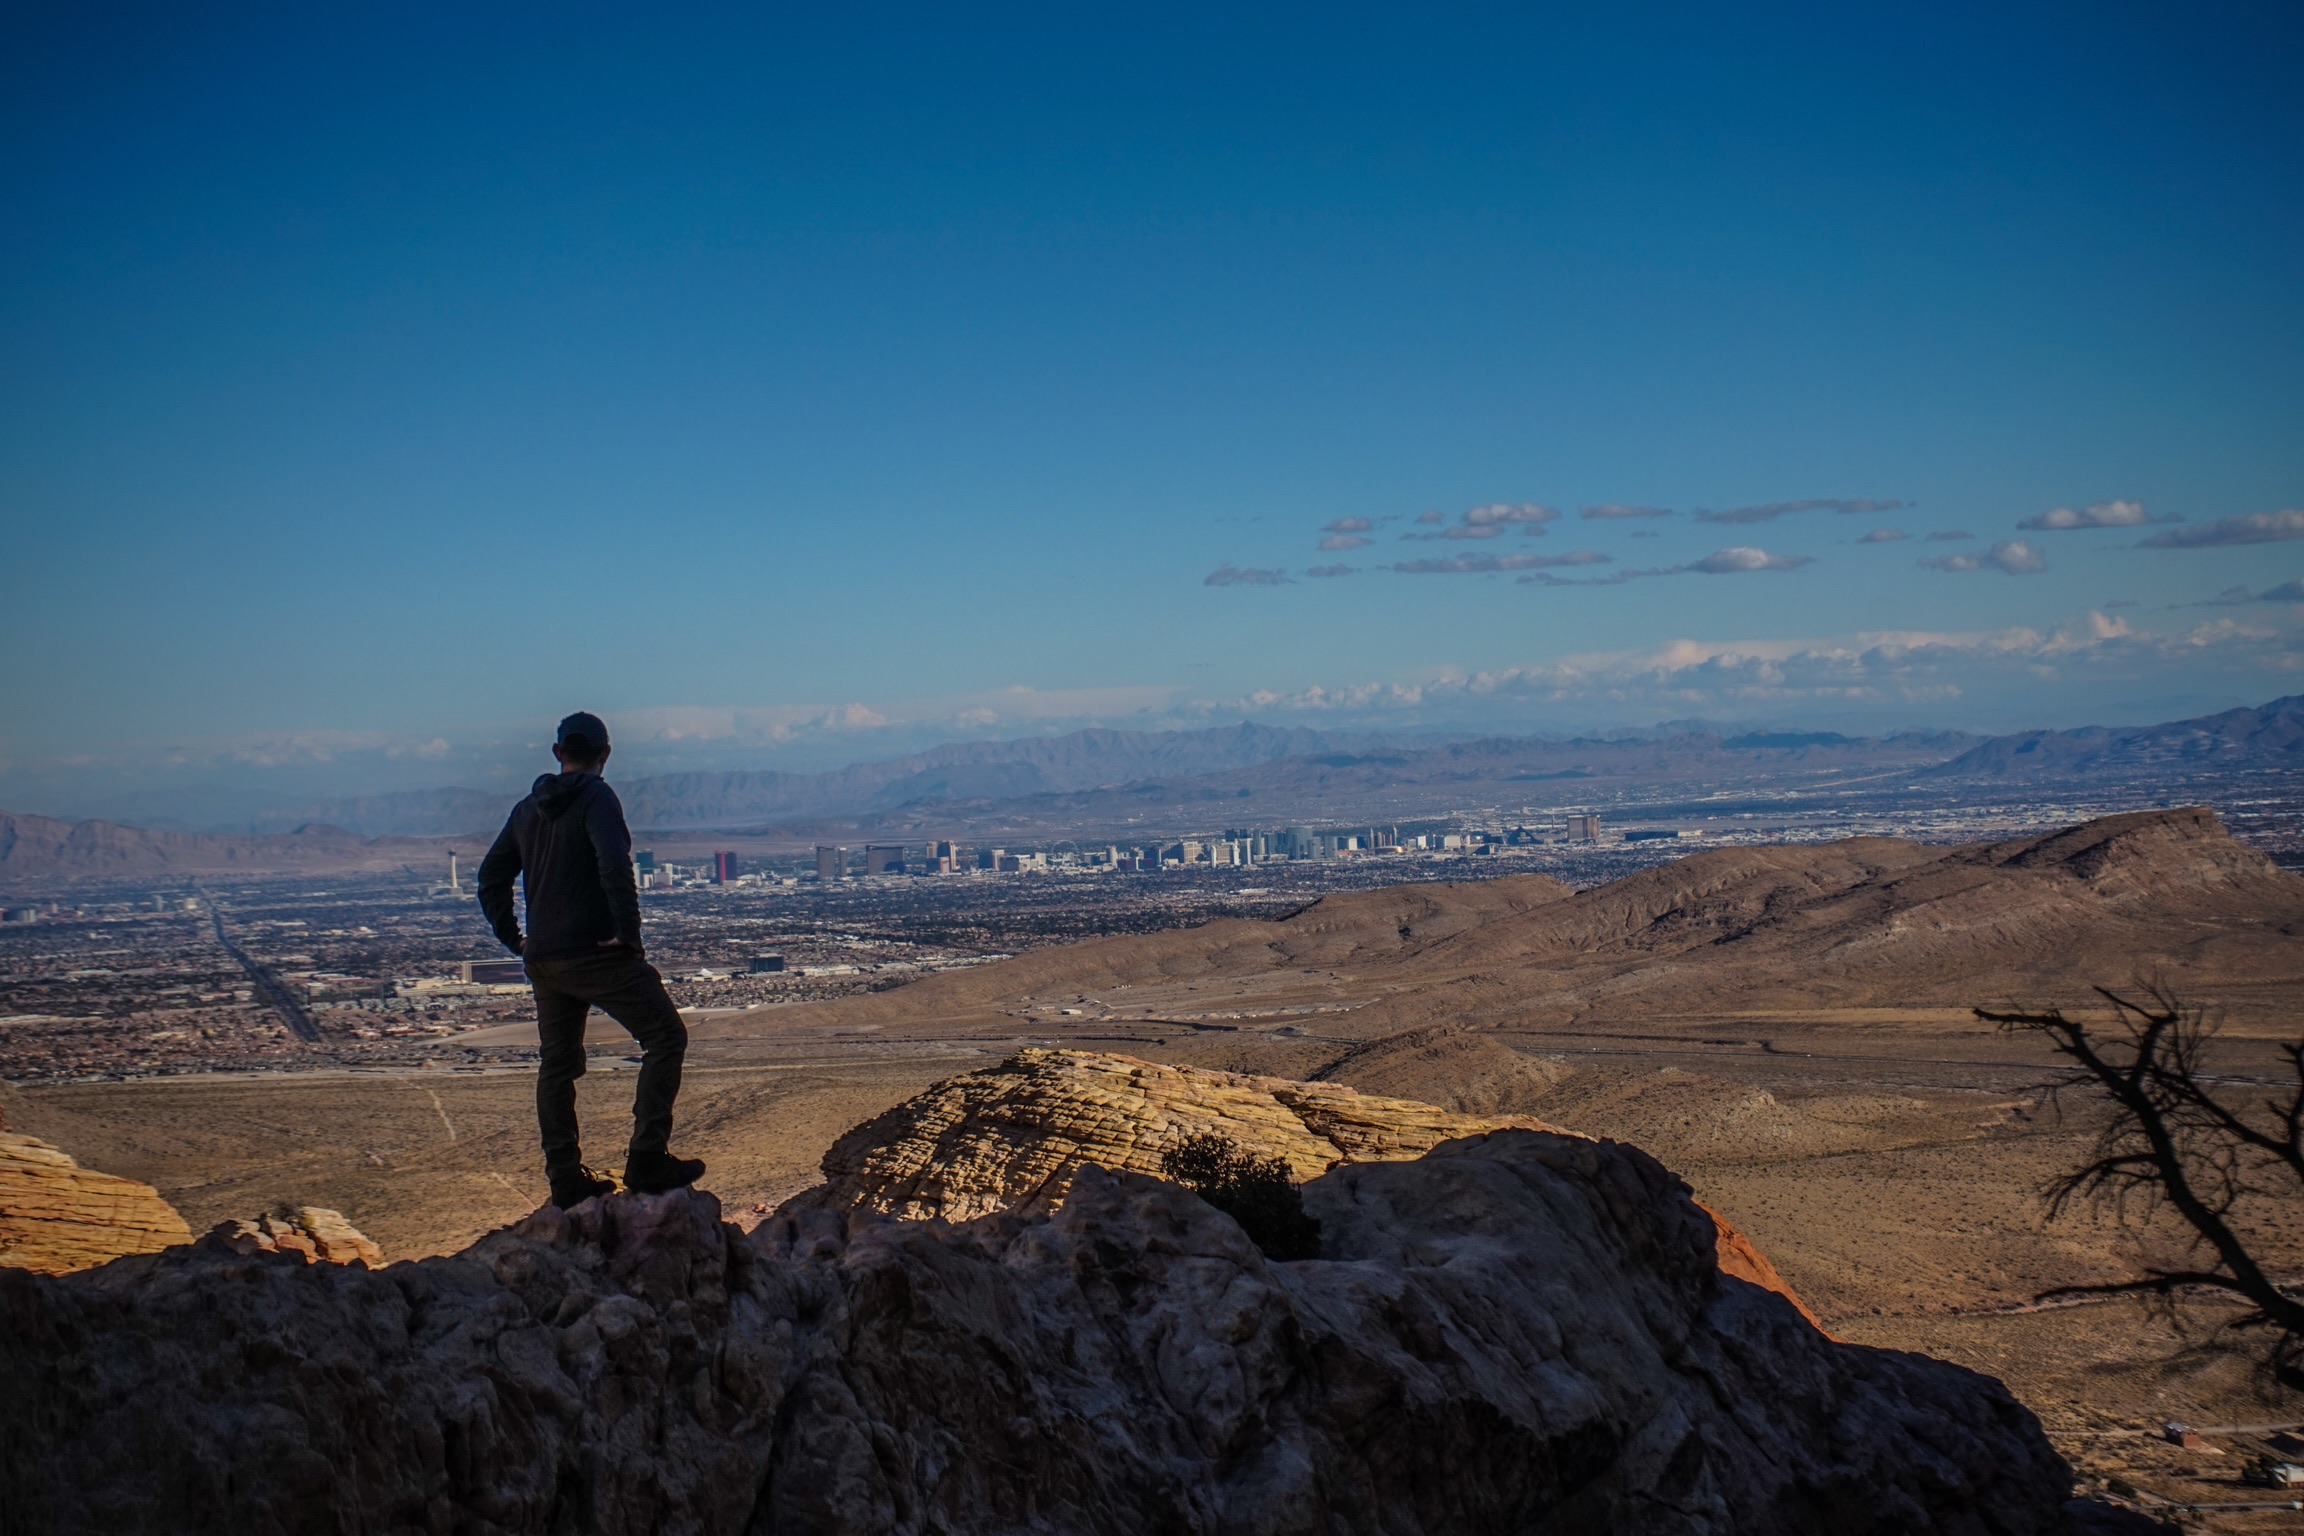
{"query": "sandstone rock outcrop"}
[(1020, 1132), (56, 1215), (1518, 1331), (315, 1233)]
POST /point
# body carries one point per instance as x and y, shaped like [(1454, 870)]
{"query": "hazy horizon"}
[(220, 793)]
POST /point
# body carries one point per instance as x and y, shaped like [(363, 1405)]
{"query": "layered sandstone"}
[(1518, 1331), (313, 1233), (1021, 1132), (56, 1215)]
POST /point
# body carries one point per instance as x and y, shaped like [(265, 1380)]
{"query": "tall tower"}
[(453, 888)]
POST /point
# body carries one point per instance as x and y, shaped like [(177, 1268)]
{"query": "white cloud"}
[(1721, 562), (1769, 511), (2013, 556), (1889, 670), (1475, 563), (2287, 592), (1490, 521), (1744, 557), (1616, 509), (1347, 525), (1230, 575), (2252, 528), (2103, 514), (1344, 540), (1883, 536), (1503, 512), (1432, 516), (778, 724), (1950, 536), (1331, 570)]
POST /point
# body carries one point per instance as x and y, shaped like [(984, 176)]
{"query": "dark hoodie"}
[(569, 841)]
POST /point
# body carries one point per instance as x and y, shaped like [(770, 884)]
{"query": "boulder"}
[(1020, 1132), (56, 1215), (1518, 1331), (313, 1232)]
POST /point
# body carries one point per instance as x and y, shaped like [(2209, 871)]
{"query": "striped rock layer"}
[(57, 1216)]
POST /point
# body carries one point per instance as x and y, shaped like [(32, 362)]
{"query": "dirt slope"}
[(1866, 922)]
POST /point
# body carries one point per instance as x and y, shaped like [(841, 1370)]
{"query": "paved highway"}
[(275, 993)]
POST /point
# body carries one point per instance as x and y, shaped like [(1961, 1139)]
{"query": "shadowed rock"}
[(1517, 1331)]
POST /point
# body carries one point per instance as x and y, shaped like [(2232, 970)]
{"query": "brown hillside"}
[(1862, 923)]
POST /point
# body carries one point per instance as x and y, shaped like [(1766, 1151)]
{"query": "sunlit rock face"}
[(1518, 1331), (1020, 1132), (314, 1233), (57, 1216)]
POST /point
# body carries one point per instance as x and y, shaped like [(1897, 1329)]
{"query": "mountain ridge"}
[(1102, 772), (45, 848), (1859, 923), (1276, 775)]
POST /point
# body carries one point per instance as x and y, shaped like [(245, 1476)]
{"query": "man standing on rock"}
[(569, 843)]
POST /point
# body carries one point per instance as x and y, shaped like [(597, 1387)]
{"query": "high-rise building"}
[(883, 858), (989, 858), (1583, 829), (644, 860), (723, 868), (831, 862)]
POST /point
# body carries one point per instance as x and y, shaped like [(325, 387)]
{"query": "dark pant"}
[(628, 990)]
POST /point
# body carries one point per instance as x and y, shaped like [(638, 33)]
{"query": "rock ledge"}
[(1517, 1331)]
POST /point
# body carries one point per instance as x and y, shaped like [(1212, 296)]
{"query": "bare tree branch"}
[(2172, 1138)]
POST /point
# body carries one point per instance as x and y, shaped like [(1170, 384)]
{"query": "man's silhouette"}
[(569, 844)]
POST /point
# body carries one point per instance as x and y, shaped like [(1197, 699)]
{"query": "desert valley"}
[(1789, 1028)]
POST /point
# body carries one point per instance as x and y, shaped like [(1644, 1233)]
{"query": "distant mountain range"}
[(2237, 739), (1101, 781), (958, 771), (41, 848), (1104, 778)]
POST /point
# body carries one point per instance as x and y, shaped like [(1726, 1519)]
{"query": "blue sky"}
[(376, 385)]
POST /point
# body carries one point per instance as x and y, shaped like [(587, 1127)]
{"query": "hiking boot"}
[(574, 1186), (652, 1173)]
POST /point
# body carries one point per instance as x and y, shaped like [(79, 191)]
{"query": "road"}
[(275, 992)]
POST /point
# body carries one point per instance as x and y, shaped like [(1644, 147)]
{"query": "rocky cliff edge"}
[(1517, 1331)]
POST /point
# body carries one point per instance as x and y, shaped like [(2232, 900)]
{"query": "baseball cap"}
[(583, 727)]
